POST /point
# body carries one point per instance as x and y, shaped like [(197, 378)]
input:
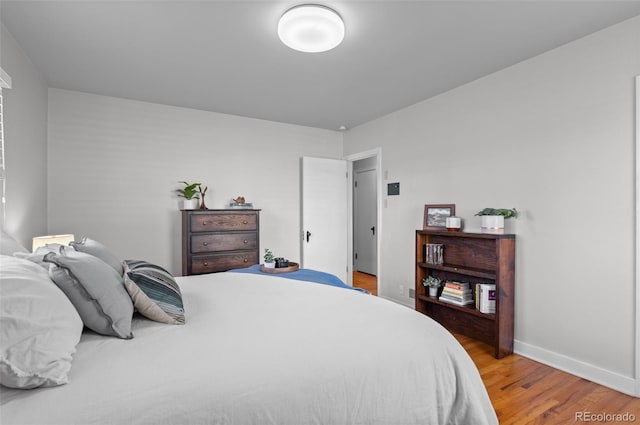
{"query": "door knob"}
[(373, 230), (308, 235)]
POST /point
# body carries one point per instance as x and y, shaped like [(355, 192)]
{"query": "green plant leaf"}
[(190, 190), (505, 212)]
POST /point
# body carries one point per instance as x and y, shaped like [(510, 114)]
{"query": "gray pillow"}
[(96, 249), (38, 255), (95, 289)]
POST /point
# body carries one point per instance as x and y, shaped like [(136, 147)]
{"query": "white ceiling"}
[(225, 56)]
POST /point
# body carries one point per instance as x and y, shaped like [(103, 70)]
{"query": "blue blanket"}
[(303, 274)]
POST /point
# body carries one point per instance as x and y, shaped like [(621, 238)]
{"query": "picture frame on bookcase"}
[(435, 216)]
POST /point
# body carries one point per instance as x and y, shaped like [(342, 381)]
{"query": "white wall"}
[(114, 165), (25, 134), (553, 137)]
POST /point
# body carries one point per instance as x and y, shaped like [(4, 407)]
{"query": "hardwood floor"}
[(525, 392), (366, 281)]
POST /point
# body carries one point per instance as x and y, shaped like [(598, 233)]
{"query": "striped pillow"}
[(155, 293)]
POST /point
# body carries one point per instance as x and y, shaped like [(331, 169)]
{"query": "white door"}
[(365, 220), (324, 215)]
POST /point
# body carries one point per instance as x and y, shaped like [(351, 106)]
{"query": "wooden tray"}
[(292, 268)]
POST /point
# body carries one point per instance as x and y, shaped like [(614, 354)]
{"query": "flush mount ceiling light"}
[(311, 28)]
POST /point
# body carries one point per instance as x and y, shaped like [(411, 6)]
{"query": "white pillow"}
[(8, 245), (39, 327)]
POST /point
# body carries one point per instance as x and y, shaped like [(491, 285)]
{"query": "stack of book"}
[(458, 293), (486, 298), (246, 206)]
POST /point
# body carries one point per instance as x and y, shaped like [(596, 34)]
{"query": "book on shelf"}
[(457, 288), (458, 293), (486, 298), (457, 285), (433, 253), (460, 302), (235, 205)]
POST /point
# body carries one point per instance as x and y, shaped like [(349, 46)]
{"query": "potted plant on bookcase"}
[(493, 219), (433, 283), (190, 194)]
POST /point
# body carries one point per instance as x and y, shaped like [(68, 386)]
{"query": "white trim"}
[(403, 303), (5, 80), (567, 364), (377, 153), (637, 240)]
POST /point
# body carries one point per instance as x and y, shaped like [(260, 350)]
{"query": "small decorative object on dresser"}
[(269, 262), (281, 263), (190, 195), (493, 219), (435, 216), (219, 240), (240, 202), (202, 192)]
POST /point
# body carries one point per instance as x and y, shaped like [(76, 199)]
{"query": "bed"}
[(263, 349)]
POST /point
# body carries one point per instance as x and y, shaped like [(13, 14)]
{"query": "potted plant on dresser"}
[(190, 194), (493, 219)]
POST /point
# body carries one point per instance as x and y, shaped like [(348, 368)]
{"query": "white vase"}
[(433, 291), (453, 224), (190, 204), (271, 265), (493, 224)]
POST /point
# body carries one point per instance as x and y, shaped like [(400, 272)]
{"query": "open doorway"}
[(365, 247), (365, 229)]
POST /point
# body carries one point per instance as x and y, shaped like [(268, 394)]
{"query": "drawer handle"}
[(246, 241), (246, 259), (205, 243), (204, 223), (205, 263), (245, 222)]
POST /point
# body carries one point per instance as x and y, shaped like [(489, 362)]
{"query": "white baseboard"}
[(410, 303), (624, 384)]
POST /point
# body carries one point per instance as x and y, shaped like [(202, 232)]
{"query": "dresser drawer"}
[(222, 262), (223, 222), (219, 240), (223, 242)]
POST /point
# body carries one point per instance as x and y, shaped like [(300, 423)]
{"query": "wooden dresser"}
[(219, 240)]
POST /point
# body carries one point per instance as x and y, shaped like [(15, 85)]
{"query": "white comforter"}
[(266, 350)]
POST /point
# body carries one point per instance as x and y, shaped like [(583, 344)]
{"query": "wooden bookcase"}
[(473, 258)]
